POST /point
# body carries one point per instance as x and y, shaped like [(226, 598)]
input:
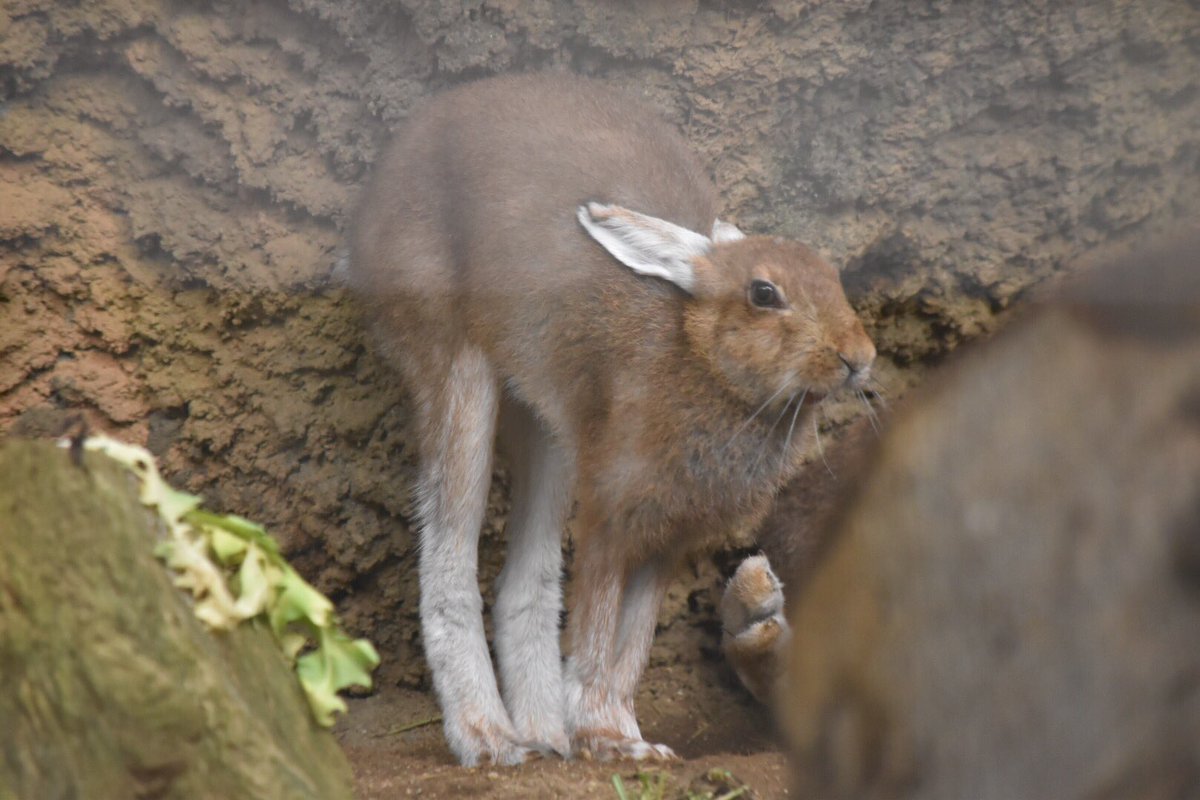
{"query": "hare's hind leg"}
[(529, 593), (611, 625), (457, 424), (644, 591)]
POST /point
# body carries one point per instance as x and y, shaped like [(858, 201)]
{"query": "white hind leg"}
[(529, 592), (611, 628), (458, 422), (645, 589)]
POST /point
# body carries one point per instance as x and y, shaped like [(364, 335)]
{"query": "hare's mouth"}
[(788, 399), (804, 398)]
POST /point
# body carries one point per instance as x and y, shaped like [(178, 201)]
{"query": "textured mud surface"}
[(175, 178), (710, 727)]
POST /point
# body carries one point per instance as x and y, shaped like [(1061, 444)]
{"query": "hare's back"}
[(471, 217), (516, 157)]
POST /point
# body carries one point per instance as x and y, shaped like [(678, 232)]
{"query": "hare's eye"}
[(765, 294)]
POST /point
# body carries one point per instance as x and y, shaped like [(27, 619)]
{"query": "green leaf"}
[(254, 586), (297, 601), (253, 531), (240, 527), (292, 644), (172, 504), (264, 582), (224, 545), (214, 614), (194, 571), (337, 662)]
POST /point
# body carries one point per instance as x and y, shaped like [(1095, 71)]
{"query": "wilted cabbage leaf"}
[(337, 662), (234, 571)]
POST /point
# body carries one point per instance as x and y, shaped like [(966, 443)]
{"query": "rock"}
[(1010, 606), (111, 686)]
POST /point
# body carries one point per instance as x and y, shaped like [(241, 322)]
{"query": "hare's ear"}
[(647, 245), (725, 232)]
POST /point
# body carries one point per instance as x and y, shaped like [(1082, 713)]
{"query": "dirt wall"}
[(175, 178)]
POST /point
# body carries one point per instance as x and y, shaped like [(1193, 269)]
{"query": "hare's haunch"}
[(544, 252)]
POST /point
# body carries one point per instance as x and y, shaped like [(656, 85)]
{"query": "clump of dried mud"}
[(176, 178)]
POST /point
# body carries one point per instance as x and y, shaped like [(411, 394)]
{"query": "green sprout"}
[(235, 572), (651, 786)]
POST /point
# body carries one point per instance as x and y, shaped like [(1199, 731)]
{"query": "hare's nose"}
[(858, 361)]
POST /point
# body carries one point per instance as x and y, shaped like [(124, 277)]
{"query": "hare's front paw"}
[(477, 740), (606, 746), (753, 594), (755, 631)]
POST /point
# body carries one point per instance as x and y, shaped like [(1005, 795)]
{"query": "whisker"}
[(745, 424), (820, 449), (871, 416), (767, 439), (795, 416), (880, 392)]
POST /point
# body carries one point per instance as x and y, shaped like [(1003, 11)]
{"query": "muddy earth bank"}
[(177, 176)]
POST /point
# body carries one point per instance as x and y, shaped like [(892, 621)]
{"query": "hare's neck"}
[(738, 445), (765, 441)]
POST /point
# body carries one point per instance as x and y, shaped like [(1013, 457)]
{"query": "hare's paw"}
[(756, 632), (477, 740), (537, 717), (759, 639), (606, 747), (753, 594)]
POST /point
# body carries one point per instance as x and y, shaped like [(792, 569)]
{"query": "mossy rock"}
[(111, 687)]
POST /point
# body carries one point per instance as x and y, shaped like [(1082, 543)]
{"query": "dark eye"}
[(764, 294)]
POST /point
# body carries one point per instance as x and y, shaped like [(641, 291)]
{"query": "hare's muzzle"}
[(857, 363)]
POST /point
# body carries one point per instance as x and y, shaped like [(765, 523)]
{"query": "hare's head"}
[(766, 314)]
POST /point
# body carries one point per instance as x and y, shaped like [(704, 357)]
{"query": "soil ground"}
[(723, 737)]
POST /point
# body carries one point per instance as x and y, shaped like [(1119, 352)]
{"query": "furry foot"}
[(603, 747), (548, 744), (753, 593), (755, 631), (477, 741)]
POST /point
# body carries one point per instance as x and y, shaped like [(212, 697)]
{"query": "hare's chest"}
[(687, 480)]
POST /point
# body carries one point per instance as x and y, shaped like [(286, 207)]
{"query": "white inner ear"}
[(647, 245), (725, 232)]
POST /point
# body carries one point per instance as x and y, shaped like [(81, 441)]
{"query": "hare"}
[(542, 255)]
